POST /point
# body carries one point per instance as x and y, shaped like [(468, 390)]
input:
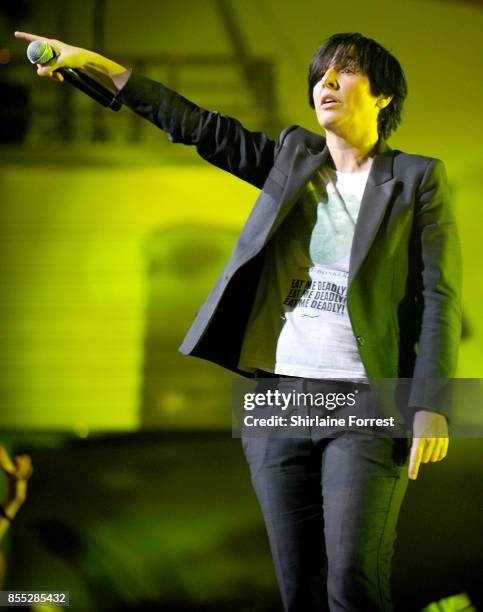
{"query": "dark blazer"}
[(404, 294)]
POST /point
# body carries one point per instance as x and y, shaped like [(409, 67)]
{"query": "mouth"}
[(329, 102)]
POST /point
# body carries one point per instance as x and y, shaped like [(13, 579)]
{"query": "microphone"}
[(40, 52)]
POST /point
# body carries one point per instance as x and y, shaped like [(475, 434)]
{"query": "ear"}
[(382, 102)]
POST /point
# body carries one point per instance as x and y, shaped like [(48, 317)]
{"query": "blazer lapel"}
[(304, 163), (377, 195)]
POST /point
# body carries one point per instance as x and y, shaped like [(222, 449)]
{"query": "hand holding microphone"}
[(60, 61)]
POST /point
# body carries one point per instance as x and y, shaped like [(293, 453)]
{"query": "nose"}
[(329, 80)]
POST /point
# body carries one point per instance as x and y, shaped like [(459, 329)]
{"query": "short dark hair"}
[(383, 70)]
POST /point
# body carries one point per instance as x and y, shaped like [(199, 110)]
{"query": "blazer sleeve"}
[(437, 240), (219, 139)]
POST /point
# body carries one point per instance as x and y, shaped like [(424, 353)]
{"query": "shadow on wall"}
[(183, 262)]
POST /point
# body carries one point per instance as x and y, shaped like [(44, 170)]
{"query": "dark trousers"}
[(330, 503)]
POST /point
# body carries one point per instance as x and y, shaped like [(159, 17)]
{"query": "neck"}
[(353, 156)]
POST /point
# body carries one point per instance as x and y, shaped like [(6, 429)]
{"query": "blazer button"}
[(361, 340)]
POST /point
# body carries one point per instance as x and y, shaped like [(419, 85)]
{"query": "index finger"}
[(415, 457), (29, 37)]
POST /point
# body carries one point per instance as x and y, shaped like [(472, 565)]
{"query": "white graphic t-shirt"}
[(299, 325)]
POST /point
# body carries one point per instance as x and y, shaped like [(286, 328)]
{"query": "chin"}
[(326, 124)]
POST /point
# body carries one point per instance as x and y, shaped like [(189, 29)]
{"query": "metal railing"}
[(243, 87)]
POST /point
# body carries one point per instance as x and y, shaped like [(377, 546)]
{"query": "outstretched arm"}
[(219, 139)]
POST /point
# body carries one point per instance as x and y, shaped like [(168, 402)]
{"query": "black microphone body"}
[(40, 52)]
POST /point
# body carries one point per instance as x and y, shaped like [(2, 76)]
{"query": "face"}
[(344, 103)]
